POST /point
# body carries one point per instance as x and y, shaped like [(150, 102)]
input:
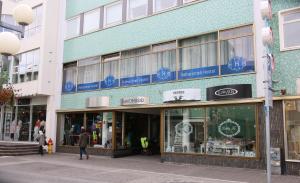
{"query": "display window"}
[(292, 129), (219, 130)]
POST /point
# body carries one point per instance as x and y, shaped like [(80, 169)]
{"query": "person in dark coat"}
[(83, 141)]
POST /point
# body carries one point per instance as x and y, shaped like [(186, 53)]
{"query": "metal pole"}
[(267, 113)]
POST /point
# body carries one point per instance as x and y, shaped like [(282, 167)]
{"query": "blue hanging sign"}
[(164, 74), (138, 80), (199, 72), (88, 86), (237, 65), (69, 87), (110, 82)]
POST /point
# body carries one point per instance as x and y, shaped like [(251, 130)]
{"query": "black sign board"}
[(229, 92), (24, 101)]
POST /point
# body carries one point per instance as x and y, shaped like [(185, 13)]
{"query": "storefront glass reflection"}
[(221, 130), (292, 126)]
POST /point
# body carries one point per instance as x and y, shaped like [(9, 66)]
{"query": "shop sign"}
[(110, 82), (183, 128), (182, 95), (229, 92), (102, 101), (229, 128), (199, 72), (69, 86), (135, 101), (88, 86), (164, 74), (138, 80)]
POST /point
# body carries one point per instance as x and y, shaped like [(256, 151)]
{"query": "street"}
[(67, 168)]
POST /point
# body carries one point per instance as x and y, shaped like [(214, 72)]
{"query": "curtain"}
[(199, 52), (111, 68), (164, 57), (89, 70), (136, 62)]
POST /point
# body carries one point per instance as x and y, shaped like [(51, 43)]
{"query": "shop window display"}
[(72, 128), (292, 126), (99, 126), (221, 130)]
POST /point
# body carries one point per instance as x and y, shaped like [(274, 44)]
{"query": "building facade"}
[(186, 74), (33, 72)]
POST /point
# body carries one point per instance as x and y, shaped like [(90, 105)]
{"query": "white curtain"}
[(70, 74), (164, 56), (111, 67), (136, 62), (89, 70), (199, 52)]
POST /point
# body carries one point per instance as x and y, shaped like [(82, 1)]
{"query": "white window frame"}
[(128, 18), (105, 25), (66, 26), (281, 32), (99, 21), (156, 11)]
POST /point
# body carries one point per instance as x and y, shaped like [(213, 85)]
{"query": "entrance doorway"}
[(131, 126)]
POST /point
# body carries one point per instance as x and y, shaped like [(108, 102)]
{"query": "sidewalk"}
[(135, 169)]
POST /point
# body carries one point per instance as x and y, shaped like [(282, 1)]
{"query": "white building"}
[(34, 71)]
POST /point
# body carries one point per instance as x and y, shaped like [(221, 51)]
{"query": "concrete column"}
[(185, 136)]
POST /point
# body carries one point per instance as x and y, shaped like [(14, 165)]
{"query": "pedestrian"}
[(83, 141), (41, 138)]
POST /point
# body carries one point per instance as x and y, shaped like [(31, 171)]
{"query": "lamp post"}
[(9, 42)]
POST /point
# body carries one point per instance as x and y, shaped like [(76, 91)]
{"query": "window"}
[(237, 50), (188, 1), (69, 77), (91, 21), (88, 74), (292, 129), (222, 130), (110, 71), (160, 5), (135, 67), (290, 28), (164, 62), (73, 27), (70, 129), (25, 66), (137, 9), (113, 14), (198, 56), (35, 26)]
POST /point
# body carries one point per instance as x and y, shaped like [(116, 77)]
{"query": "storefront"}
[(23, 121)]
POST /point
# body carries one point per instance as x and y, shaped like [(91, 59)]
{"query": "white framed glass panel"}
[(292, 129), (91, 21), (88, 74), (73, 27), (35, 26), (160, 5), (289, 29), (137, 9), (110, 71), (113, 14), (69, 78)]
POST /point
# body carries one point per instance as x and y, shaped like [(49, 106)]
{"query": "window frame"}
[(281, 15), (128, 18), (286, 150), (71, 19), (257, 130), (155, 11), (99, 21), (105, 25)]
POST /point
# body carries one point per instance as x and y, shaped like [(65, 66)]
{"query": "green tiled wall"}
[(190, 20), (287, 62), (155, 91)]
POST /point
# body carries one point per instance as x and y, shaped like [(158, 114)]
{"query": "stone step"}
[(18, 149)]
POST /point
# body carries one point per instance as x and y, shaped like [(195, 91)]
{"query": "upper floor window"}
[(69, 77), (188, 1), (91, 21), (35, 26), (237, 50), (289, 29), (137, 9), (113, 14), (110, 71), (73, 27), (25, 66), (88, 74), (160, 5)]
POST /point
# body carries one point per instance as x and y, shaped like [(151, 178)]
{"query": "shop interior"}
[(138, 131)]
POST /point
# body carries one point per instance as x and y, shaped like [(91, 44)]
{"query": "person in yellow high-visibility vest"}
[(144, 143)]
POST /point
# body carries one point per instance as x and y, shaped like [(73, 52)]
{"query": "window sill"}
[(290, 48)]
